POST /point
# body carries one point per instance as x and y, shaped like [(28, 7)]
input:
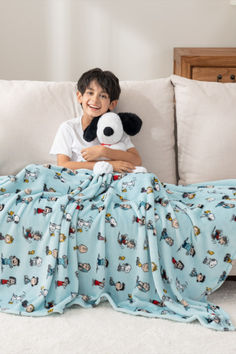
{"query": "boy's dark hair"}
[(106, 79)]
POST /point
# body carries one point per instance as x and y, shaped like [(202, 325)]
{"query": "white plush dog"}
[(109, 129)]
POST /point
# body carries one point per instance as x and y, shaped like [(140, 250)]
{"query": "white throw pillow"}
[(30, 114), (153, 101), (206, 130)]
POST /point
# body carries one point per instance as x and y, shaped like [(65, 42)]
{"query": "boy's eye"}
[(104, 96), (89, 92)]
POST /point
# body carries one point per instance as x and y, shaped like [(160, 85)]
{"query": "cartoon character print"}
[(124, 267), (98, 208), (59, 176), (177, 264), (53, 253), (66, 216), (198, 275), (33, 281), (128, 185), (100, 237), (161, 201), (36, 261), (145, 266), (25, 200), (53, 228), (189, 247), (181, 287), (150, 226), (211, 262), (12, 217), (166, 237), (110, 220), (119, 286), (141, 221), (7, 238), (225, 205), (62, 283), (174, 222), (84, 267), (17, 298), (125, 241), (43, 196), (209, 215), (84, 224), (11, 261), (8, 282), (142, 286), (155, 184), (100, 284), (218, 237), (145, 205), (31, 175), (101, 262), (147, 190), (31, 235), (63, 261), (228, 258), (123, 206), (189, 195)]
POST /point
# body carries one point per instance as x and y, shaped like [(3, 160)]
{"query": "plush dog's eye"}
[(108, 131)]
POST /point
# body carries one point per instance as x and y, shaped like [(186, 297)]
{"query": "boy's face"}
[(95, 100)]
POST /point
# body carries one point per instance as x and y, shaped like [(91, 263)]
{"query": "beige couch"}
[(197, 145)]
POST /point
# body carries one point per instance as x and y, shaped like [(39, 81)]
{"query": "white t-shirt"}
[(69, 140)]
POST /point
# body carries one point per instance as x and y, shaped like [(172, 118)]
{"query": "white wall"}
[(60, 39)]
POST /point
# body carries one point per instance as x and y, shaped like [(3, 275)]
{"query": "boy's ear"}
[(131, 123), (90, 132), (113, 105), (79, 96)]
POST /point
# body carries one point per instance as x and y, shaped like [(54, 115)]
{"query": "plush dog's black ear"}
[(131, 123), (90, 132)]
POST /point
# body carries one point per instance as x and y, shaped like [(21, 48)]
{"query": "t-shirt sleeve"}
[(127, 141), (63, 141)]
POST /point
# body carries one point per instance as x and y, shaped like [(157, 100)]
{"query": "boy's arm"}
[(94, 152), (118, 166), (130, 155), (65, 161)]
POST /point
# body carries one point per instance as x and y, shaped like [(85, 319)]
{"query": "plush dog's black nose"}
[(108, 131)]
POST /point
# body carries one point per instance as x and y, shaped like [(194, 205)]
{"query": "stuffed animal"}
[(109, 129)]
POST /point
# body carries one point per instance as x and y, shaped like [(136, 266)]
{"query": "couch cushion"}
[(206, 126), (153, 101), (30, 113)]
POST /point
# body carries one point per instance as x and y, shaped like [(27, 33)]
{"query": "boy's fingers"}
[(131, 167), (128, 167)]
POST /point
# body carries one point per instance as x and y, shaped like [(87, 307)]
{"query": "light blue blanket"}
[(151, 249)]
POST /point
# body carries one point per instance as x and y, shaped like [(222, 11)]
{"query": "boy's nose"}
[(108, 131), (96, 98)]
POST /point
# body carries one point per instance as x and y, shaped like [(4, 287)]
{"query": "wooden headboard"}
[(207, 64)]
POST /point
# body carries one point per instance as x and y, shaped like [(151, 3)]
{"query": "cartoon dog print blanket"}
[(149, 248)]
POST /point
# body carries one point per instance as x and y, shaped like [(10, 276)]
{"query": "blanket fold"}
[(152, 249)]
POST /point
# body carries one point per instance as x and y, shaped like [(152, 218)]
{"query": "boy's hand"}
[(122, 166), (92, 153)]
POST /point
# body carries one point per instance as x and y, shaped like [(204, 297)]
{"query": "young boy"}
[(98, 92)]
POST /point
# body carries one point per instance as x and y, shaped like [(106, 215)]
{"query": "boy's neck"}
[(86, 120)]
